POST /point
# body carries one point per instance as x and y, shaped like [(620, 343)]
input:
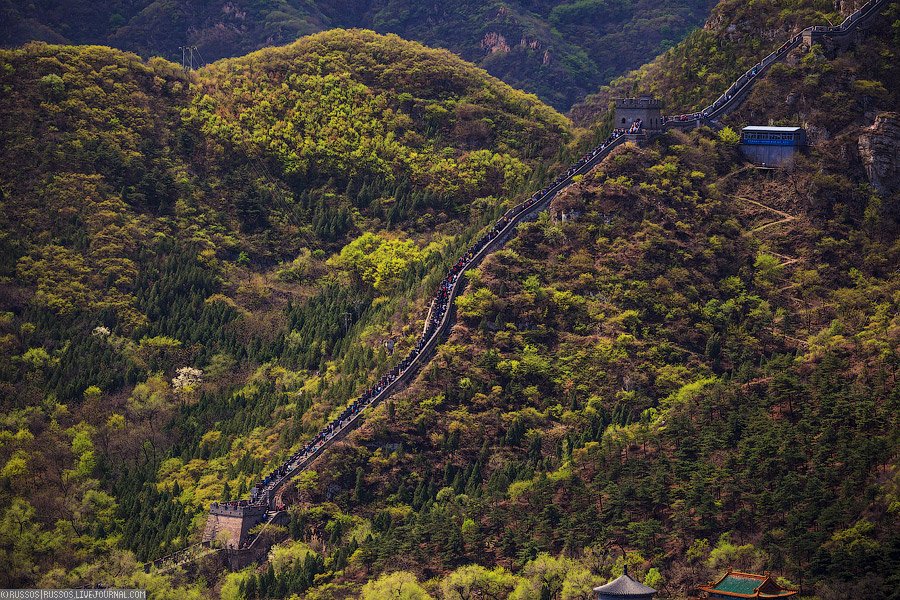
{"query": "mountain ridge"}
[(688, 365), (557, 50)]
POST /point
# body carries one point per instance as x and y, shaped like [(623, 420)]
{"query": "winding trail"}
[(785, 217)]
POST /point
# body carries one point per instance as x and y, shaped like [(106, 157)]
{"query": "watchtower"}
[(231, 522), (645, 108)]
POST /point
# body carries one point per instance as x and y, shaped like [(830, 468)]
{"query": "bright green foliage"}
[(145, 215), (654, 579), (338, 115), (377, 261), (729, 136), (16, 466), (478, 305), (61, 278), (36, 358), (475, 580), (639, 384), (399, 584), (768, 270), (742, 557), (20, 535), (292, 570), (655, 383), (738, 34), (231, 587)]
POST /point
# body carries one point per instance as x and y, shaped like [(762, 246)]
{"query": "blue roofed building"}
[(769, 146)]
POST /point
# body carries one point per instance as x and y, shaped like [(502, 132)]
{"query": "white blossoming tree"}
[(186, 381)]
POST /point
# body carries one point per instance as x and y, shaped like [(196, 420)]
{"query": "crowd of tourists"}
[(262, 491), (750, 75)]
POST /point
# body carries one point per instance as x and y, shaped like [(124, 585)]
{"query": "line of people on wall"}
[(751, 74), (735, 87), (262, 492)]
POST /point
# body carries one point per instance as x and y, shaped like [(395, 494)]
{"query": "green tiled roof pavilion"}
[(735, 584)]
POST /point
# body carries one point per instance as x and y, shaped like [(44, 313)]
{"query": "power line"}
[(187, 57)]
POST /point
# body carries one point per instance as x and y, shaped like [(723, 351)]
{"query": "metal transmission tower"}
[(187, 57)]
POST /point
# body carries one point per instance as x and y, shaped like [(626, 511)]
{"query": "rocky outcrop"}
[(879, 150), (525, 43), (494, 42)]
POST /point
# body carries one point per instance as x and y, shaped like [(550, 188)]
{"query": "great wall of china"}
[(229, 527)]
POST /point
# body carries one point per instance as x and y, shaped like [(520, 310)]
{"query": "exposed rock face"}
[(494, 42), (879, 150)]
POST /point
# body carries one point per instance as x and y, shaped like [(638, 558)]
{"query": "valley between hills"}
[(681, 363)]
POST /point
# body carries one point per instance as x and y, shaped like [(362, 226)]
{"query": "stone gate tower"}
[(231, 522), (645, 108)]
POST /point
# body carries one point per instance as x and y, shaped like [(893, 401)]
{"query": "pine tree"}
[(358, 486), (251, 589)]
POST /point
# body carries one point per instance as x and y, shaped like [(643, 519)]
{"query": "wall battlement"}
[(642, 102), (236, 509), (230, 523)]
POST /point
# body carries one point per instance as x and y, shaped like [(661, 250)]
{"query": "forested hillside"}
[(189, 259), (735, 37), (694, 369), (560, 50), (689, 364)]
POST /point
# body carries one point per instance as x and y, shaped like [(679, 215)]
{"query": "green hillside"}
[(281, 215), (694, 369), (559, 50), (694, 373), (735, 37)]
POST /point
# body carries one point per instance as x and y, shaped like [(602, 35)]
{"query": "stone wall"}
[(230, 529)]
